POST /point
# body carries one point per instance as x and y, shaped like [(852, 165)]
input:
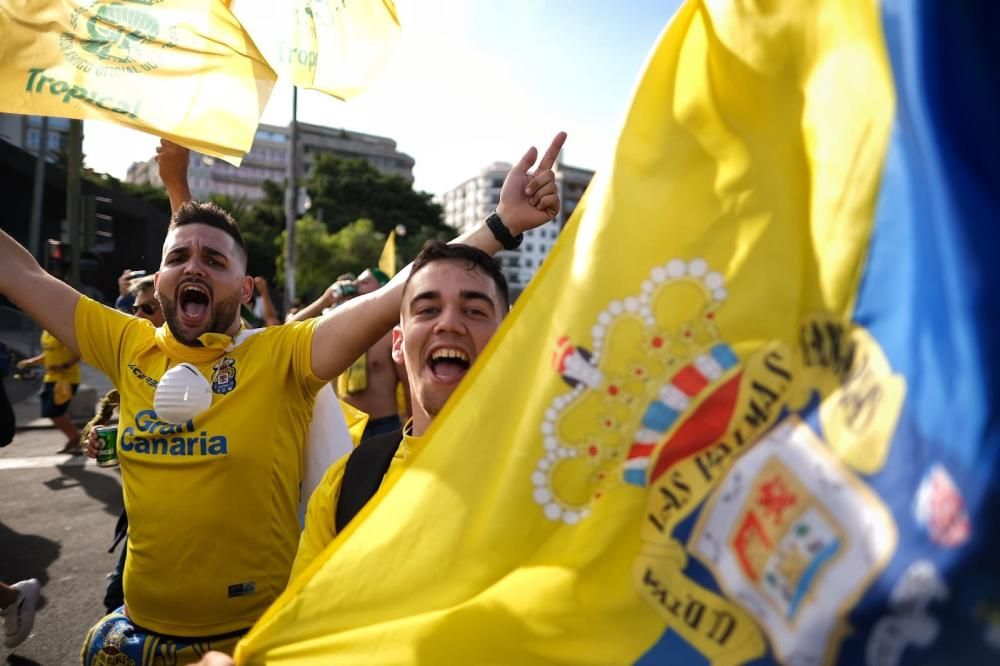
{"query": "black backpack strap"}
[(363, 474)]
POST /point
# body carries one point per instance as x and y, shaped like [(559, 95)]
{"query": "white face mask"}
[(182, 394)]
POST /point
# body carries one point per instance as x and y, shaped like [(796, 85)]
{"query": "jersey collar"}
[(215, 346)]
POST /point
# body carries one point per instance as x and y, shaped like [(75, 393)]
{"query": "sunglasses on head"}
[(147, 309)]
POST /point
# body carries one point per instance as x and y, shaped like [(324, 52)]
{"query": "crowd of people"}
[(228, 478)]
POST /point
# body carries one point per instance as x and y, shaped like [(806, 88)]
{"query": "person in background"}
[(144, 303), (125, 296), (61, 380), (370, 383), (260, 312)]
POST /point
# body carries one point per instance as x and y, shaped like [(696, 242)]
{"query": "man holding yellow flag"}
[(453, 303)]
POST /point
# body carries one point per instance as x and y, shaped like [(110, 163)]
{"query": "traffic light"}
[(56, 257)]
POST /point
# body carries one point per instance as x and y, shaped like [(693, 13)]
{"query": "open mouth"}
[(193, 302), (448, 364)]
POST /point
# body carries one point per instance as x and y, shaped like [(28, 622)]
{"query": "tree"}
[(345, 190), (262, 224), (321, 256), (356, 247)]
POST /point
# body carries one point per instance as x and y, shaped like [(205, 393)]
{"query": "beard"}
[(224, 312)]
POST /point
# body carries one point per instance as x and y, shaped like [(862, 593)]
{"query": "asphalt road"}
[(57, 518)]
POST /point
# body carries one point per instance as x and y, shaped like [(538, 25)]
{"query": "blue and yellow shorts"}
[(115, 640)]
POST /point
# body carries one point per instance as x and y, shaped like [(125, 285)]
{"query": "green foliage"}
[(321, 256), (262, 224), (345, 190), (356, 247)]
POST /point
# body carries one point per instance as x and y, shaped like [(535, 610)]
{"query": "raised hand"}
[(529, 199), (173, 165)]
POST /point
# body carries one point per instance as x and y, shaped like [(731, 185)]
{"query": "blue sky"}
[(473, 82)]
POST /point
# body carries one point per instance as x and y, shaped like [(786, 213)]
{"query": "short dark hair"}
[(208, 213), (435, 250)]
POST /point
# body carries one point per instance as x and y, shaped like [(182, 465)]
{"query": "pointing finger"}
[(553, 152)]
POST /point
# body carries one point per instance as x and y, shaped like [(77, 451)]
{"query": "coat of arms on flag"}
[(795, 538)]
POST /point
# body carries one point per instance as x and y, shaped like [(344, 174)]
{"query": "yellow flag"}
[(181, 69), (387, 260), (332, 46), (356, 421), (566, 508)]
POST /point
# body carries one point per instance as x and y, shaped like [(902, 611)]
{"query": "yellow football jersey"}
[(211, 502), (56, 353)]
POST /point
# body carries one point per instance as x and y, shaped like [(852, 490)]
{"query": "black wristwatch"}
[(502, 233)]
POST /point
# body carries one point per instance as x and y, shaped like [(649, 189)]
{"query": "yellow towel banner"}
[(573, 504), (335, 46), (181, 69)]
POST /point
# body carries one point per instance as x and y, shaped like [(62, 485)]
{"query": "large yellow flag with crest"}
[(181, 69), (577, 500)]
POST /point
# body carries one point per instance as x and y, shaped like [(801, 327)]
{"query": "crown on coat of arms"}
[(653, 357)]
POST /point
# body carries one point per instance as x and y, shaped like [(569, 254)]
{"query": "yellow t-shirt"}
[(212, 503), (56, 353), (320, 529)]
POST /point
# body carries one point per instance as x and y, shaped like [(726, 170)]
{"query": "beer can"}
[(107, 452)]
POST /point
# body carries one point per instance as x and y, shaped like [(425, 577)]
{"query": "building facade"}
[(474, 200), (268, 160), (25, 132)]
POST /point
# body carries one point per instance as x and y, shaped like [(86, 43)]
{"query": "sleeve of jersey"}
[(100, 334), (319, 530), (302, 354)]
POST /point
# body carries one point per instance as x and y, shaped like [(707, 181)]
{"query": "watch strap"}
[(502, 233)]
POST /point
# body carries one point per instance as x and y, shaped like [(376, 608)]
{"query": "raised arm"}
[(527, 200), (173, 164), (50, 302), (270, 315)]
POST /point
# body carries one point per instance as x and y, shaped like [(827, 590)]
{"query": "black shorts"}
[(49, 407)]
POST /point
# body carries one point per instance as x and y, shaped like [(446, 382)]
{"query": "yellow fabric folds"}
[(537, 525), (181, 69), (332, 46)]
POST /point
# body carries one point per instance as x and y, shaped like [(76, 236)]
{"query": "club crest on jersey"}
[(224, 375)]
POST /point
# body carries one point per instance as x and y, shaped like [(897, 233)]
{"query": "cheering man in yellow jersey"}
[(453, 303), (212, 499)]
